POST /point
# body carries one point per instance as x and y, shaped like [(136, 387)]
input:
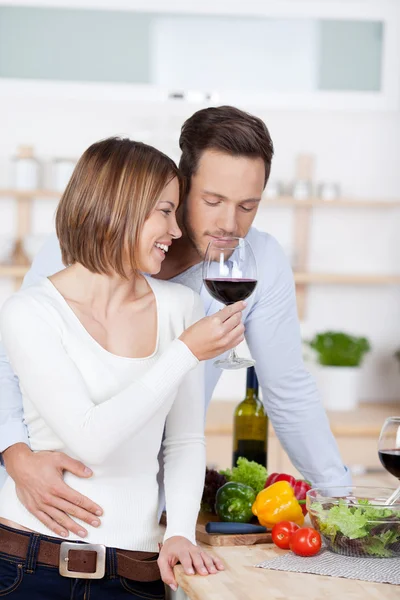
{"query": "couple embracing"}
[(106, 366)]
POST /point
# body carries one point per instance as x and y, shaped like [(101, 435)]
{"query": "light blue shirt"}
[(273, 337)]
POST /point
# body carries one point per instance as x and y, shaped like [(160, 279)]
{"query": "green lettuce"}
[(247, 472)]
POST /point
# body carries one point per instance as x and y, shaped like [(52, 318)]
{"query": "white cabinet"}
[(274, 62), (286, 54)]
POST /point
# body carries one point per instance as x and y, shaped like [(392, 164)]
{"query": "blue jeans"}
[(26, 579)]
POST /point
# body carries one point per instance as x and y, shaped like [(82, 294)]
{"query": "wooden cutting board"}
[(217, 539)]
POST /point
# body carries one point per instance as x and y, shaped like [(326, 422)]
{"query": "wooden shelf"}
[(29, 194), (281, 201), (300, 278), (17, 271), (350, 279), (285, 201)]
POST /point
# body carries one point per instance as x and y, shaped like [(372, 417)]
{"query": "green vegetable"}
[(234, 502), (376, 547), (337, 349), (358, 529), (249, 473)]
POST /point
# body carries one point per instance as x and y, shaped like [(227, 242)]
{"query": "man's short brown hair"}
[(113, 189), (225, 129)]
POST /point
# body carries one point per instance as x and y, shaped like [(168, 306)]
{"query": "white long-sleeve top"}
[(111, 412)]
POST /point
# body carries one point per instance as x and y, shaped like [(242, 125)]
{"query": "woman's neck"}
[(101, 293)]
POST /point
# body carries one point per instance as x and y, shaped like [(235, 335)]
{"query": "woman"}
[(108, 362)]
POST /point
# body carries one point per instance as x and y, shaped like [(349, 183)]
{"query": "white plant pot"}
[(338, 386)]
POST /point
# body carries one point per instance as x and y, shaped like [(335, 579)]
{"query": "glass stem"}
[(233, 357)]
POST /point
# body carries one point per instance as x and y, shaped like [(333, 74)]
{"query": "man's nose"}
[(227, 220)]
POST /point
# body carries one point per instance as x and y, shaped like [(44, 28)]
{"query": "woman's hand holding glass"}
[(193, 559), (214, 335)]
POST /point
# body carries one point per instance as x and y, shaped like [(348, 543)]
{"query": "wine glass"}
[(230, 275), (389, 451)]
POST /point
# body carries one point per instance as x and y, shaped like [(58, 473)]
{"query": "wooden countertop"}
[(367, 420), (242, 581)]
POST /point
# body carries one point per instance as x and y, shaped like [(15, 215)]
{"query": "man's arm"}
[(289, 392), (12, 428), (39, 476)]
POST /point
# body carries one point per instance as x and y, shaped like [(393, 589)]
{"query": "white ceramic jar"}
[(62, 169), (27, 169)]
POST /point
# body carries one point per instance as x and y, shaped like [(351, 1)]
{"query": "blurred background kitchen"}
[(325, 77)]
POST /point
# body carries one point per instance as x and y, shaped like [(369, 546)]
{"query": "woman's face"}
[(159, 230)]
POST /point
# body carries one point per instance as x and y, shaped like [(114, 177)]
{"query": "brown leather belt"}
[(80, 560)]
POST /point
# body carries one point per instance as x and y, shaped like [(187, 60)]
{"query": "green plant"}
[(397, 354), (338, 349)]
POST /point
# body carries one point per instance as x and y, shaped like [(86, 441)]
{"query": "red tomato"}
[(282, 532), (305, 542)]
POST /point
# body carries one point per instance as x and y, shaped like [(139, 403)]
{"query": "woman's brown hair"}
[(113, 189), (225, 129)]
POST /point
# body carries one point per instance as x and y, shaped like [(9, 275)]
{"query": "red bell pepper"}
[(274, 477), (300, 487)]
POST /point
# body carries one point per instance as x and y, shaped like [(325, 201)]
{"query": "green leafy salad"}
[(359, 529)]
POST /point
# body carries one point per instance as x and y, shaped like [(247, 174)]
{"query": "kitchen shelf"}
[(348, 279), (284, 201), (29, 194), (17, 271), (302, 224), (280, 201)]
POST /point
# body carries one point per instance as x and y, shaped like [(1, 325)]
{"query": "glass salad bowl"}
[(354, 521)]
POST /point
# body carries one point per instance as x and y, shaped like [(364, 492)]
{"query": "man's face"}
[(224, 196)]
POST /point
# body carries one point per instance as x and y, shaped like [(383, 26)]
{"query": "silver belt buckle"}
[(66, 547)]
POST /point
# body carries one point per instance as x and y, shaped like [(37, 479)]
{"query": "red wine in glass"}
[(390, 459), (229, 291)]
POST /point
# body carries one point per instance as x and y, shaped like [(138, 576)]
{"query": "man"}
[(226, 158)]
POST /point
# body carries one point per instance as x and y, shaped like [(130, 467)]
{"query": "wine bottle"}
[(250, 425)]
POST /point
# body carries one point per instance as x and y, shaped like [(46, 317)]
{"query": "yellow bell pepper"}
[(277, 503)]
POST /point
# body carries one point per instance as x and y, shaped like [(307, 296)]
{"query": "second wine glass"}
[(230, 275), (389, 451)]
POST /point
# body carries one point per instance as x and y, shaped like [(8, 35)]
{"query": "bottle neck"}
[(251, 395), (251, 384)]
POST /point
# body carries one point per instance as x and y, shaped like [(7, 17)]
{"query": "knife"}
[(232, 528)]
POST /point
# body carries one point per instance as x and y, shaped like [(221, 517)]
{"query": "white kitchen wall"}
[(359, 151)]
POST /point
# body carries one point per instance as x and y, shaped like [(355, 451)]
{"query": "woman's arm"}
[(185, 457), (184, 461), (55, 386), (184, 450)]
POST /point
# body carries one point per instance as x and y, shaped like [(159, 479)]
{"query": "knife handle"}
[(232, 528)]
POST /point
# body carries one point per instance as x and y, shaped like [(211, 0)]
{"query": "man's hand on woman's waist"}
[(41, 488)]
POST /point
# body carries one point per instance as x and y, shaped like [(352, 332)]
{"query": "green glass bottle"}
[(250, 425)]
